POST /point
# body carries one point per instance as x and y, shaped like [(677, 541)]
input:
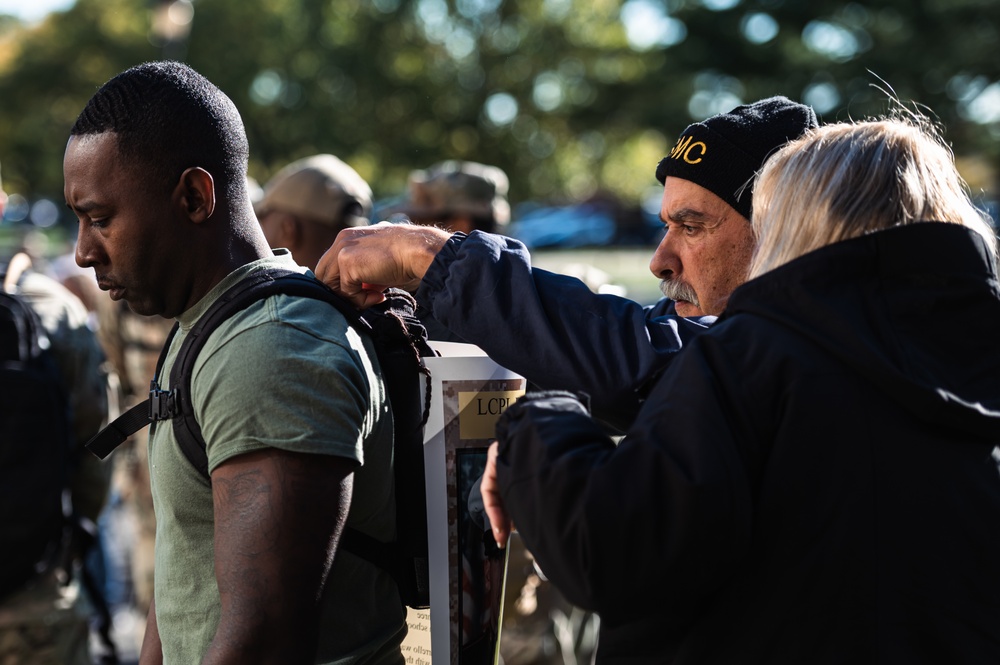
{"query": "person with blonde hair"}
[(834, 184), (815, 478)]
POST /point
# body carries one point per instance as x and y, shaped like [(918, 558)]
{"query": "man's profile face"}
[(706, 252), (123, 233)]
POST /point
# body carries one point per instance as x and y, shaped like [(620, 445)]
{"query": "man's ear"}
[(195, 192)]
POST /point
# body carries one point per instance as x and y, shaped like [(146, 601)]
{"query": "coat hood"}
[(915, 309)]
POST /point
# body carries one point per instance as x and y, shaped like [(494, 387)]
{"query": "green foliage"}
[(567, 96)]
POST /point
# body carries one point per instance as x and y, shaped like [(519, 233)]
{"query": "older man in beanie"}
[(458, 196), (706, 181), (552, 328), (308, 202)]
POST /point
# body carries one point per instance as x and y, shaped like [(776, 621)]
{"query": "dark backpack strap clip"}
[(158, 406), (162, 403)]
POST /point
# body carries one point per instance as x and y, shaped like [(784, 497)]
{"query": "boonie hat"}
[(321, 188), (458, 188)]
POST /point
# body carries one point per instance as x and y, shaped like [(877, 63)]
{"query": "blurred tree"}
[(47, 73), (570, 97)]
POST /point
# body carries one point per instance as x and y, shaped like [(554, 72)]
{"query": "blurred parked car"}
[(598, 221)]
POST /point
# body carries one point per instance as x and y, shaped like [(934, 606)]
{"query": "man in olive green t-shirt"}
[(288, 397)]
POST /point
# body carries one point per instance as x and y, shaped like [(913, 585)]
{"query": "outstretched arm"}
[(278, 517), (550, 328)]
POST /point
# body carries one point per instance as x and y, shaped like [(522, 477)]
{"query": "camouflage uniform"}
[(45, 623)]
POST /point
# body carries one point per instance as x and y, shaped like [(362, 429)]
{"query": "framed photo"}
[(467, 570)]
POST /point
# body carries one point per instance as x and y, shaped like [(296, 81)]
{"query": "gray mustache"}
[(678, 290)]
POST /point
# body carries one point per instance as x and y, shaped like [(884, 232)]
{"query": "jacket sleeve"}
[(550, 328), (654, 525)]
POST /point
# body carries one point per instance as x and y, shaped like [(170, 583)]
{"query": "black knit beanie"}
[(724, 152)]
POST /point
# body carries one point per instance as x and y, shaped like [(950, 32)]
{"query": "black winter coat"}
[(813, 480)]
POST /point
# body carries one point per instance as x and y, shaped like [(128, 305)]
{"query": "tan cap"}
[(321, 188), (457, 188)]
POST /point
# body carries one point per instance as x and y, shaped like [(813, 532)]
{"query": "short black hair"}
[(167, 118)]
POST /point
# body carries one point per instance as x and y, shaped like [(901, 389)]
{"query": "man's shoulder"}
[(290, 335), (294, 359)]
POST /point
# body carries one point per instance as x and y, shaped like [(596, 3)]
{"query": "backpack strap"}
[(399, 341)]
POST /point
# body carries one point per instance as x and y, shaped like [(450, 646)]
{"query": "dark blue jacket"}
[(550, 328)]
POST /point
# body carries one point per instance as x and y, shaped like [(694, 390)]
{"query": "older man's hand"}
[(365, 260)]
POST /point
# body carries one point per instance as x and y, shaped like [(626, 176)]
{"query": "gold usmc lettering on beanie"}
[(741, 141), (689, 150)]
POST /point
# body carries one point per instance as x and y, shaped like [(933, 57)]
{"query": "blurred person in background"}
[(308, 202), (45, 613), (458, 196), (814, 479), (131, 343), (135, 341)]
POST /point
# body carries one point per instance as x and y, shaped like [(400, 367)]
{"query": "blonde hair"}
[(844, 180)]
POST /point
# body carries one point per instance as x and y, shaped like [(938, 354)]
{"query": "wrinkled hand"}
[(490, 488), (365, 260)]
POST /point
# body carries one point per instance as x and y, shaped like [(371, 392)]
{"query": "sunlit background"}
[(577, 100)]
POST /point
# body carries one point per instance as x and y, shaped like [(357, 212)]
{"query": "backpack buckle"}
[(162, 403)]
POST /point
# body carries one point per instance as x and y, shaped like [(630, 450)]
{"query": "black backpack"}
[(399, 340), (35, 447)]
